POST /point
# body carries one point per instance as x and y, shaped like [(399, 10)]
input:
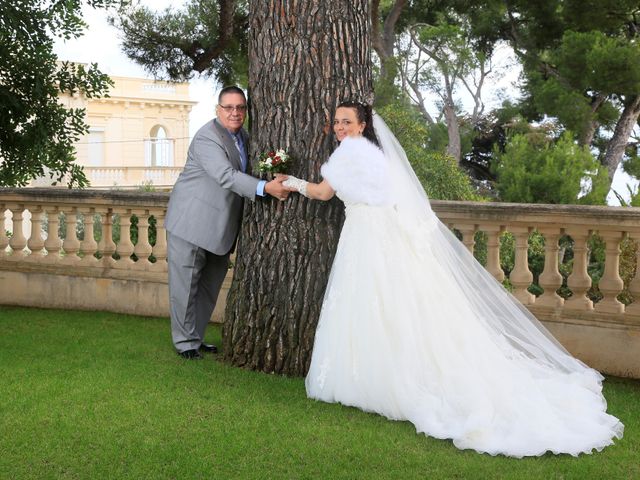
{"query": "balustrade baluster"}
[(107, 246), (36, 243), (521, 277), (579, 281), (124, 248), (88, 245), (493, 250), (550, 279), (634, 285), (71, 244), (611, 283), (4, 240), (143, 247), (160, 248), (468, 231), (18, 242), (53, 244)]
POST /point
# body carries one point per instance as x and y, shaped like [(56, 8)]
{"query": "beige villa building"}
[(138, 136)]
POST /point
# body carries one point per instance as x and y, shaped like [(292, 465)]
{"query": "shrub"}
[(535, 169)]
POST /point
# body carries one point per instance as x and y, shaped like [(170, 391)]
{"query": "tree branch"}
[(476, 94), (413, 84), (376, 38), (203, 60), (383, 43), (420, 46), (390, 25)]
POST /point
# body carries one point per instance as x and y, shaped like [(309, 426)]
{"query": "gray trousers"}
[(195, 278)]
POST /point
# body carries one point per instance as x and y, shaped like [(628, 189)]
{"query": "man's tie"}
[(243, 153)]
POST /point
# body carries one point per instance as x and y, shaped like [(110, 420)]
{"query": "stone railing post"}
[(4, 240), (160, 248), (493, 250), (71, 244), (579, 281), (88, 246), (53, 244), (18, 241), (634, 285), (521, 277), (143, 248), (468, 235), (611, 284), (107, 246), (36, 243), (124, 248), (550, 279)]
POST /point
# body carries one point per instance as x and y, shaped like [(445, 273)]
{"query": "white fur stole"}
[(357, 171)]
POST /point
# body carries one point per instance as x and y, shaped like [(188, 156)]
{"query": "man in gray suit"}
[(203, 219)]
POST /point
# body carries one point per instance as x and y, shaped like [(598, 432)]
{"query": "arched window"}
[(159, 148)]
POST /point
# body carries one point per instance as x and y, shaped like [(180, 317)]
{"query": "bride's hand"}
[(294, 184)]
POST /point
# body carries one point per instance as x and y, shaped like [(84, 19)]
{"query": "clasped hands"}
[(276, 189), (281, 186)]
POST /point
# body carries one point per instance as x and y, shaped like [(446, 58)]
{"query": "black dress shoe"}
[(190, 355), (208, 347)]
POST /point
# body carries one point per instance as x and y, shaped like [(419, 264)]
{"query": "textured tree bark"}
[(304, 59)]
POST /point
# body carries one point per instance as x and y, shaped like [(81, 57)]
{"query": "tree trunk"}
[(592, 125), (304, 59), (383, 43), (454, 147), (618, 143)]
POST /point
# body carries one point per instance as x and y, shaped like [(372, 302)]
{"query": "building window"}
[(159, 148), (95, 151)]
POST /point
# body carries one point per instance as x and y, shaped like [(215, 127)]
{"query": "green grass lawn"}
[(99, 395)]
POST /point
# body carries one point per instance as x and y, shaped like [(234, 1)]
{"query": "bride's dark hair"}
[(364, 113)]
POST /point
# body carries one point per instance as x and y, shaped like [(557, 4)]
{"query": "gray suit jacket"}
[(205, 206)]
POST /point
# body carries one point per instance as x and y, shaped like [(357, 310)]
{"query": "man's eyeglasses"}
[(232, 108)]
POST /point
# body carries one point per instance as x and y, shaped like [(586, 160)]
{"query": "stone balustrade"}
[(67, 267), (125, 177), (612, 224), (62, 269), (161, 177), (606, 334)]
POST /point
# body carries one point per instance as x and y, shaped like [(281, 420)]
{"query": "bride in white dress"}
[(414, 328)]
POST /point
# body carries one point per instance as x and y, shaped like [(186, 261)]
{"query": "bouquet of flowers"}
[(274, 161)]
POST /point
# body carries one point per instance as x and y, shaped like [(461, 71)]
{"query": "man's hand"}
[(275, 188)]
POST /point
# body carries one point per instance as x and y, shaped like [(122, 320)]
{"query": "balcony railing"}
[(611, 224), (126, 273), (109, 177), (124, 178), (67, 267)]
